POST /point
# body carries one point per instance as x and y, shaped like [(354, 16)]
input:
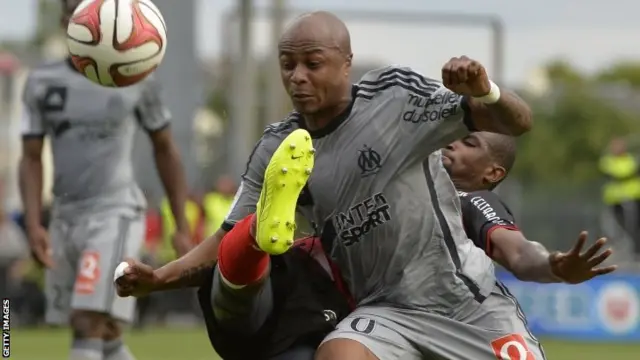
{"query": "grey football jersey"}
[(389, 213), (91, 129)]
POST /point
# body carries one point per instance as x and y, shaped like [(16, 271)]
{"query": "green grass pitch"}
[(192, 344)]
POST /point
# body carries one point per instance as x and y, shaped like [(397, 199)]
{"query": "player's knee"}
[(113, 330), (344, 349), (88, 324)]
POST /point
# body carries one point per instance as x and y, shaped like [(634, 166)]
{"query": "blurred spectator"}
[(217, 203), (193, 212), (153, 235), (622, 190)]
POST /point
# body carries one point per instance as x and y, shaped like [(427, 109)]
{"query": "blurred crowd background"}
[(578, 169)]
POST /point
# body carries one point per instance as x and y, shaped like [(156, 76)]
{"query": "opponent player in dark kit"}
[(477, 164)]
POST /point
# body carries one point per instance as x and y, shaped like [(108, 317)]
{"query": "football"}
[(116, 43)]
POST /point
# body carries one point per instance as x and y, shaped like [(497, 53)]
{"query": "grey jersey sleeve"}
[(248, 193), (32, 122), (151, 112), (427, 116)]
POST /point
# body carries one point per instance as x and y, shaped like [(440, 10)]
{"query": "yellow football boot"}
[(285, 177)]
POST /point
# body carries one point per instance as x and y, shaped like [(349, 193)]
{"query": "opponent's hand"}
[(574, 267), (40, 246), (137, 280), (466, 76), (182, 243)]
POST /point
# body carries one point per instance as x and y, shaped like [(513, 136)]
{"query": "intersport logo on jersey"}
[(428, 109)]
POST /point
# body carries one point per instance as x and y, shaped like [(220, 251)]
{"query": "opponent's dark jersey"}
[(482, 213), (385, 204), (306, 306), (91, 130)]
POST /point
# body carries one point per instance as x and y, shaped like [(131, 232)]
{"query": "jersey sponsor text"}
[(362, 218), (440, 106), (485, 208)]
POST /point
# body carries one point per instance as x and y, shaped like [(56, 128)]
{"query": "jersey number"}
[(363, 325)]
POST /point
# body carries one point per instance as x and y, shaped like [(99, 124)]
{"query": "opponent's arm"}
[(530, 261), (526, 260), (492, 227)]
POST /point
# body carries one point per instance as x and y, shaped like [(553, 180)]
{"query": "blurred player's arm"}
[(30, 171), (155, 118), (192, 268)]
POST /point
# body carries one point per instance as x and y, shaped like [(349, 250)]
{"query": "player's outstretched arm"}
[(492, 109), (530, 261), (192, 269)]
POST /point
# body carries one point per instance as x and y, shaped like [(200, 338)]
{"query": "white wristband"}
[(492, 97)]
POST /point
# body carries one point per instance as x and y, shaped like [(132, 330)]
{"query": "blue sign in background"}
[(603, 309)]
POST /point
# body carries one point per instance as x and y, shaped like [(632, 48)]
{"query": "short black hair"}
[(502, 149)]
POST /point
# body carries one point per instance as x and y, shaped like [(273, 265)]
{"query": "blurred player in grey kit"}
[(98, 214)]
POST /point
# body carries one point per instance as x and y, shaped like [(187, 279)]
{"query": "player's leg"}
[(59, 289), (368, 333), (236, 297), (122, 310), (241, 294), (106, 239), (59, 279)]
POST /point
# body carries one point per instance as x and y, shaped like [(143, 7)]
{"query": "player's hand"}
[(138, 280), (182, 243), (575, 267), (466, 76), (40, 246)]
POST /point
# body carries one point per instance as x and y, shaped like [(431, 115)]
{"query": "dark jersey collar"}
[(335, 123)]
